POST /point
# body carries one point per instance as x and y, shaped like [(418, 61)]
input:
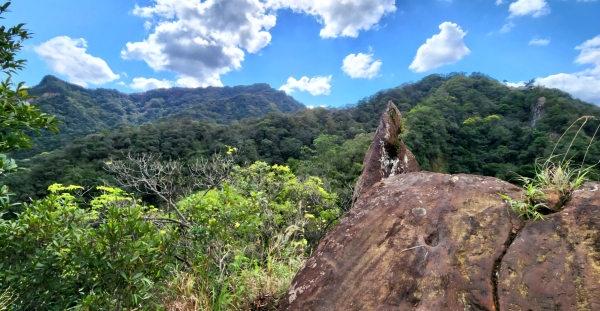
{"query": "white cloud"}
[(121, 83), (149, 84), (447, 47), (315, 86), (499, 2), (507, 27), (361, 66), (341, 18), (518, 84), (590, 52), (68, 57), (202, 40), (536, 8), (538, 41), (584, 84), (146, 84)]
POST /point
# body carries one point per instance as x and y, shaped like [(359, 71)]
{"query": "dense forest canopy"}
[(87, 111), (454, 124)]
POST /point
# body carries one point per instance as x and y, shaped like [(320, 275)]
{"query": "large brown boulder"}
[(387, 156), (429, 241)]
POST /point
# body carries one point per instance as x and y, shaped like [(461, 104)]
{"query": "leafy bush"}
[(249, 238), (238, 245), (58, 256)]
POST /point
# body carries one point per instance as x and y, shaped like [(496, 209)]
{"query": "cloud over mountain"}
[(361, 66), (315, 86), (584, 84), (202, 40), (447, 47), (68, 57)]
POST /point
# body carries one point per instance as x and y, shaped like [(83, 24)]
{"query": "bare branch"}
[(171, 180)]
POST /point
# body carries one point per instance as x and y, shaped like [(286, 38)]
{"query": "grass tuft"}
[(558, 176)]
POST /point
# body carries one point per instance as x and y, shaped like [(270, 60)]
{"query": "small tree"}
[(17, 115), (530, 85)]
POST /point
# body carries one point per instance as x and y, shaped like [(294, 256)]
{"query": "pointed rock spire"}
[(387, 156)]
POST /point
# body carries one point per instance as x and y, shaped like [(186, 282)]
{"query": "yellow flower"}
[(237, 224)]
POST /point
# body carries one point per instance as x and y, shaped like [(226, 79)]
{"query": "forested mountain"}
[(87, 111), (454, 124)]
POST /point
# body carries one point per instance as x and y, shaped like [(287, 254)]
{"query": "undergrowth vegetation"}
[(235, 245)]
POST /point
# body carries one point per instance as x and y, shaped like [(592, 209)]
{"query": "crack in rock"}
[(498, 262)]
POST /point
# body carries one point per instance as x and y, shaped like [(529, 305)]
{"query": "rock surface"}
[(429, 241), (416, 241), (387, 156), (555, 264)]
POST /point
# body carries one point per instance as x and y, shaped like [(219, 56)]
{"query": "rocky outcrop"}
[(416, 241), (429, 241), (537, 110), (387, 156)]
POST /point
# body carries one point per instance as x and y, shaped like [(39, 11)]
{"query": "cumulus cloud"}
[(590, 52), (315, 86), (584, 84), (201, 40), (149, 84), (536, 8), (146, 84), (361, 66), (538, 41), (512, 84), (447, 47), (340, 18), (68, 57), (499, 2)]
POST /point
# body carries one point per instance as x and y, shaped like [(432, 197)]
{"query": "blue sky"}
[(321, 52)]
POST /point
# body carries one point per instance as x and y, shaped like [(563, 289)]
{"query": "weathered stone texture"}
[(555, 264), (456, 226), (387, 156), (429, 241)]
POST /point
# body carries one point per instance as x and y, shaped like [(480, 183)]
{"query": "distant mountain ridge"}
[(86, 111), (452, 124)]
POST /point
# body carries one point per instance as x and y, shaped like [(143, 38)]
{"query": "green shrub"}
[(57, 255)]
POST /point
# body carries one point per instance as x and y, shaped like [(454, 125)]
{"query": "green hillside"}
[(87, 111), (455, 124)]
